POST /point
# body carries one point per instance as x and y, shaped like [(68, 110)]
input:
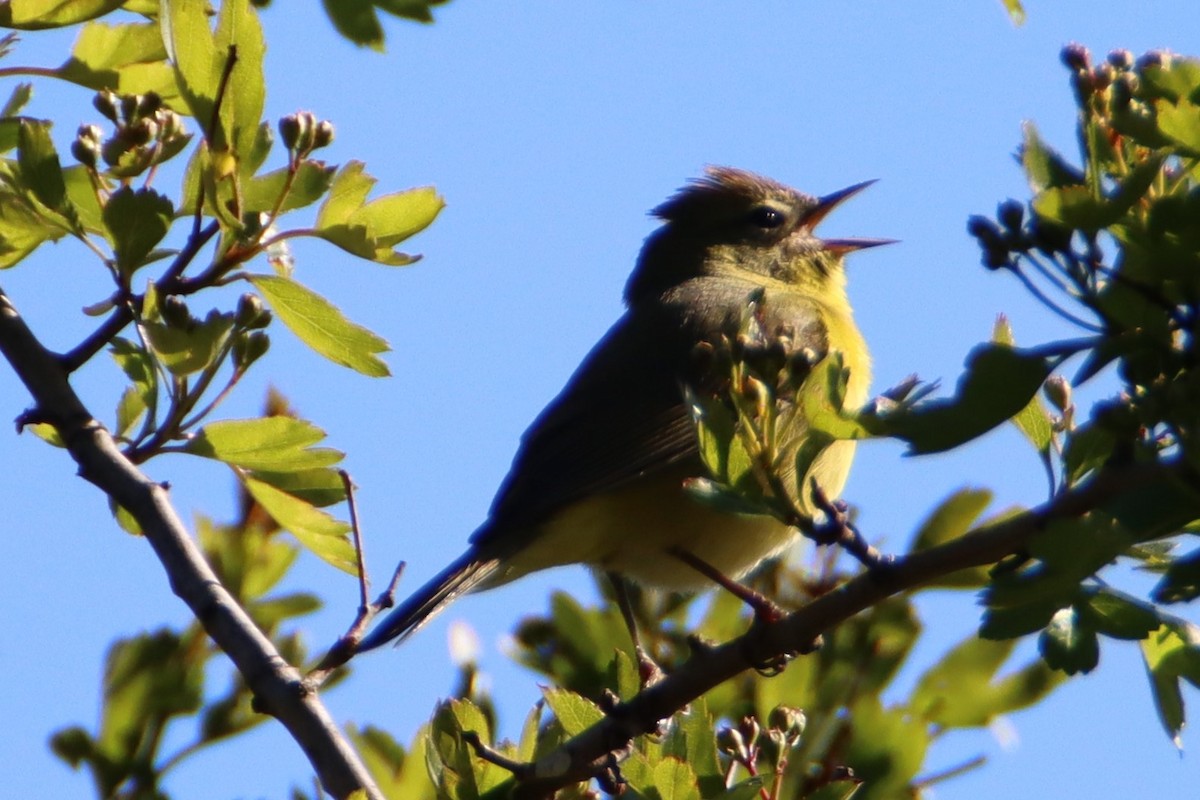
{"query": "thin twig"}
[(360, 557)]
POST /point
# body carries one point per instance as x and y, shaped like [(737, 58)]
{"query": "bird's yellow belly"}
[(633, 531)]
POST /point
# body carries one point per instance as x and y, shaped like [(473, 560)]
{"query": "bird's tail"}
[(466, 573)]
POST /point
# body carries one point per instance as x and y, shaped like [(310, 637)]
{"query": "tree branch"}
[(277, 686), (581, 757)]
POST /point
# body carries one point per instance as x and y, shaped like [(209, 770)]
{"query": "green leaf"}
[(961, 690), (274, 444), (357, 21), (126, 59), (1078, 207), (950, 520), (268, 614), (998, 383), (147, 679), (1181, 583), (320, 486), (40, 167), (372, 230), (1034, 420), (36, 15), (674, 779), (320, 533), (1120, 616), (1161, 652), (22, 229), (81, 194), (261, 193), (1180, 122), (574, 712), (194, 57), (238, 28), (17, 101), (189, 348), (137, 220), (1016, 12), (1045, 168), (320, 325), (1069, 643)]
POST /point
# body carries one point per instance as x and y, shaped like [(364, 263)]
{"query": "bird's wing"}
[(622, 415)]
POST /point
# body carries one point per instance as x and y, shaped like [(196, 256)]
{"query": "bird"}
[(599, 477)]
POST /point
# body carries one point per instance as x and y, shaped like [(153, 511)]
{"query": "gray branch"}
[(278, 687)]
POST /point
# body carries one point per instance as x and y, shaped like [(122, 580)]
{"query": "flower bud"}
[(730, 742), (86, 152), (175, 312), (148, 104), (106, 103), (249, 347), (248, 308), (323, 134), (1076, 56), (1011, 214), (129, 106), (1121, 59), (1058, 391), (1149, 59), (788, 721)]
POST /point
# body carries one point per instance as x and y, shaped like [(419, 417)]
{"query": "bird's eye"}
[(766, 217)]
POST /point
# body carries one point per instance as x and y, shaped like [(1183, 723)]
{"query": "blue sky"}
[(551, 128)]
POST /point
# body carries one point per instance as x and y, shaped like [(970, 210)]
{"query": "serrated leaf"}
[(22, 229), (574, 712), (320, 325), (40, 167), (998, 383), (674, 779), (261, 193), (274, 444), (127, 59), (372, 229), (1069, 643), (320, 533), (137, 220), (36, 15), (16, 101)]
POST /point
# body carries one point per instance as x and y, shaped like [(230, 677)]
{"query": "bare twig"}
[(364, 581), (276, 685)]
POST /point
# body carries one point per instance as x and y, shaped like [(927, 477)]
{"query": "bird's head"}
[(735, 222)]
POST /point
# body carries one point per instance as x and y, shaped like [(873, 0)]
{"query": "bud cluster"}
[(1121, 91), (145, 133), (302, 133)]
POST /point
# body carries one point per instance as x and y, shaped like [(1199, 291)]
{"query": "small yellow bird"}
[(598, 478)]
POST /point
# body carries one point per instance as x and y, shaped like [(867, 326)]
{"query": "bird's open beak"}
[(828, 203)]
